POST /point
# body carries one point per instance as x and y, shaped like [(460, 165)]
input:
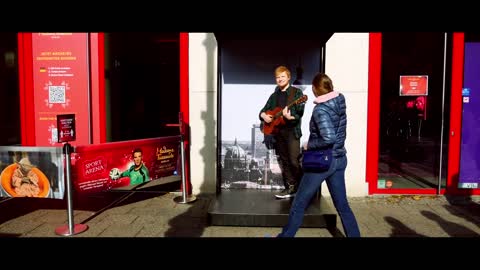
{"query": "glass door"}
[(9, 90), (414, 111)]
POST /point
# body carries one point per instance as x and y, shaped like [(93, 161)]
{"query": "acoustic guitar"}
[(278, 120)]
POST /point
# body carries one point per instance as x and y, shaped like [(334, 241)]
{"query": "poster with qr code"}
[(61, 85)]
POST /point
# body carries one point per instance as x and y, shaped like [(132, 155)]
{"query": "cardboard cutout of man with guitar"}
[(281, 124)]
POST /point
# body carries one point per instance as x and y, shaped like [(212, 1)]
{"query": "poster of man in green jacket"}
[(138, 172)]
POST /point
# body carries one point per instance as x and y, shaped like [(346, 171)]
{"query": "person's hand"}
[(267, 118), (305, 145), (287, 114)]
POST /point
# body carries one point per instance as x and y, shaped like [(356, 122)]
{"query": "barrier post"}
[(185, 198), (71, 228), (66, 133)]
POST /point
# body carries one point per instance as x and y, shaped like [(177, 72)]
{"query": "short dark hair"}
[(137, 150)]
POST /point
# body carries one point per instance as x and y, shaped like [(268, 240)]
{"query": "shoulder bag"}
[(318, 160)]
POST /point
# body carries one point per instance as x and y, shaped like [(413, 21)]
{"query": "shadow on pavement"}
[(13, 208), (335, 232), (399, 229), (451, 228), (470, 212), (193, 222), (9, 235)]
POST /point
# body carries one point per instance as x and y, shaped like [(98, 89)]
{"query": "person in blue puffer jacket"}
[(328, 128)]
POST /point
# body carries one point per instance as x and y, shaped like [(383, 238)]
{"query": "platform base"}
[(259, 208)]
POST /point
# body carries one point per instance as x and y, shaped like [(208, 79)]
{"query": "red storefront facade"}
[(447, 162)]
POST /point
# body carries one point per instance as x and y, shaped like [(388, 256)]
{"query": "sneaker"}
[(287, 193)]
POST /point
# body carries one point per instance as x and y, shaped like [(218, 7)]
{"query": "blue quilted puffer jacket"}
[(328, 125)]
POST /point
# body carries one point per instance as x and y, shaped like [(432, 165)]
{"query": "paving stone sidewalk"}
[(155, 214)]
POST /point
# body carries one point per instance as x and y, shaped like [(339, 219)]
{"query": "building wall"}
[(203, 111), (347, 66)]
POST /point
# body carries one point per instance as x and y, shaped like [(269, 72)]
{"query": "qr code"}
[(54, 135), (56, 94)]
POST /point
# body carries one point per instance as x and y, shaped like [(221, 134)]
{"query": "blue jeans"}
[(309, 185)]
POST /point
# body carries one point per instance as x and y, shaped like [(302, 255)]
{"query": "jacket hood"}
[(326, 97), (331, 100)]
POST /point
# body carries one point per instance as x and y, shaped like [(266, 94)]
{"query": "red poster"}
[(414, 85), (60, 78), (127, 163)]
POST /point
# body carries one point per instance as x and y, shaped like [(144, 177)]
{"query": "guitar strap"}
[(292, 94)]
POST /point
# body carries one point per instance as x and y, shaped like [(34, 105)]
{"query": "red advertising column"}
[(56, 78), (61, 84), (97, 88), (184, 105)]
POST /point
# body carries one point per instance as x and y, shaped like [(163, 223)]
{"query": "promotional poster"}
[(128, 163), (66, 127), (414, 85), (31, 172)]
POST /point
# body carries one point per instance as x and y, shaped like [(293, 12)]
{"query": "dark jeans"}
[(287, 148), (309, 185)]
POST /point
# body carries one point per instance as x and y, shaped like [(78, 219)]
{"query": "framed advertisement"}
[(31, 172), (101, 167)]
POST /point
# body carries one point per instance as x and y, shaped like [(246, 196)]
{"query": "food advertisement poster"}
[(128, 163), (31, 172), (61, 84)]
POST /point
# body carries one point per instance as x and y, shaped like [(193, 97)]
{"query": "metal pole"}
[(72, 228), (185, 198), (184, 179), (439, 187), (266, 167), (69, 189)]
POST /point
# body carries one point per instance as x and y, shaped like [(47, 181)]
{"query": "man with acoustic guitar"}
[(282, 117)]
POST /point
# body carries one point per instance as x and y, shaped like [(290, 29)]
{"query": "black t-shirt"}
[(282, 99)]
